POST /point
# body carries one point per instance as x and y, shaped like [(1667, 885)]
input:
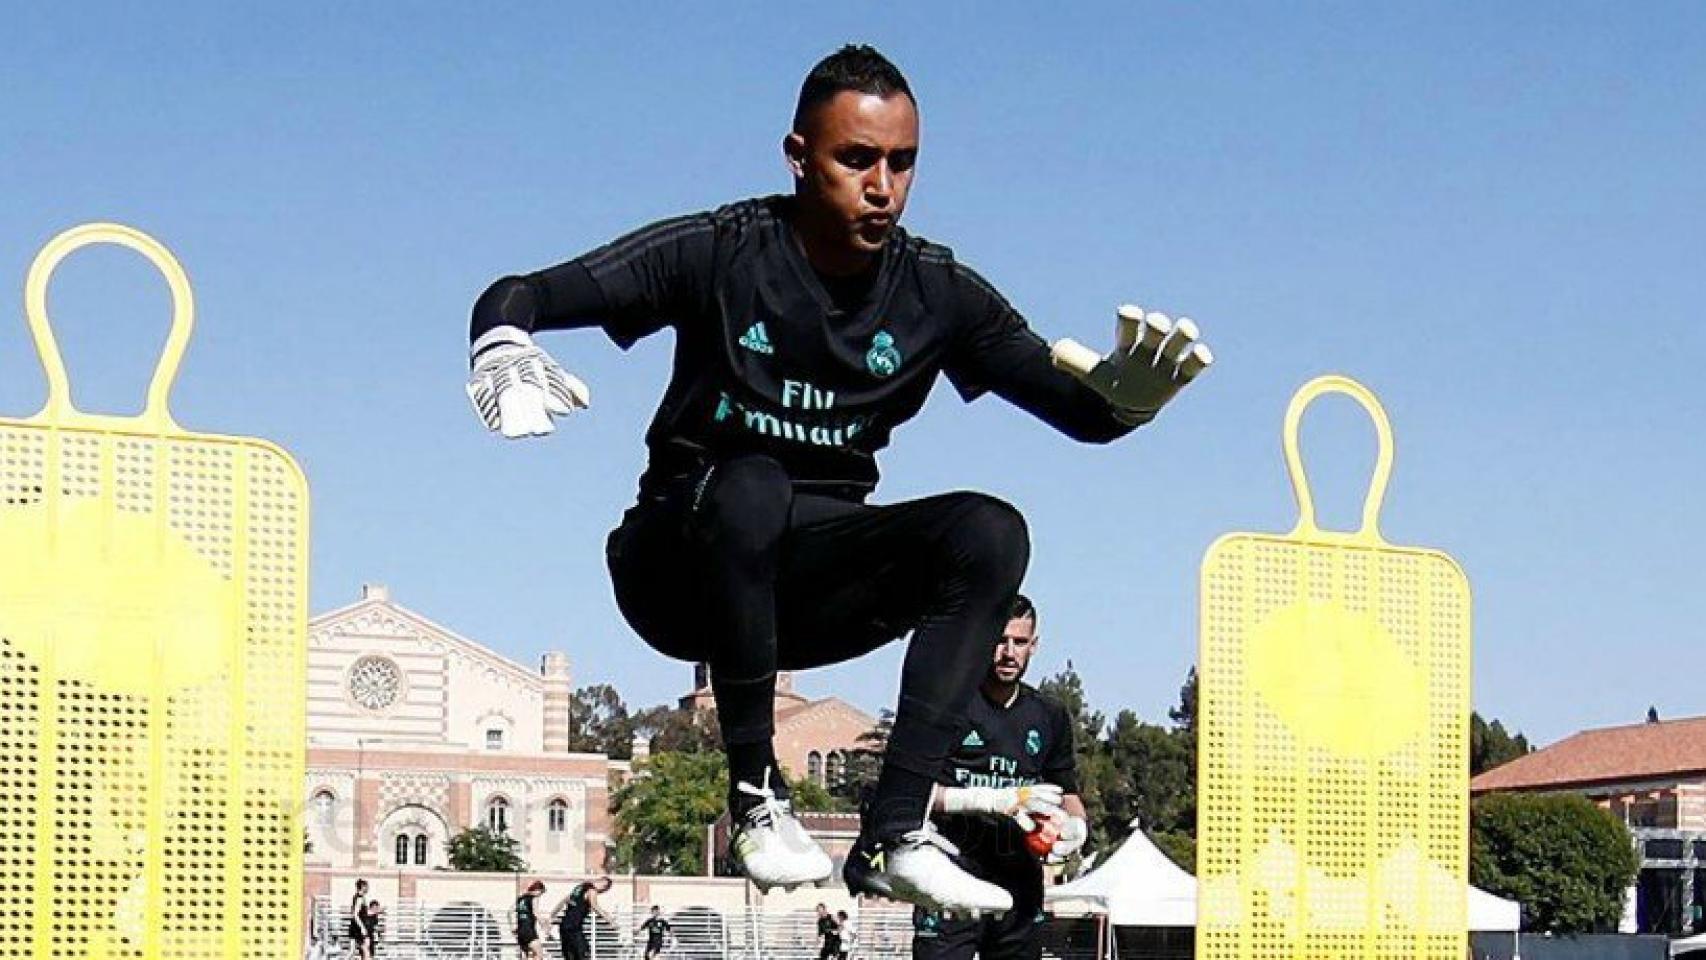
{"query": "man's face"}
[(853, 162), (1013, 651)]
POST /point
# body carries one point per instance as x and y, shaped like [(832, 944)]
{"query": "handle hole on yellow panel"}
[(111, 311), (1339, 447)]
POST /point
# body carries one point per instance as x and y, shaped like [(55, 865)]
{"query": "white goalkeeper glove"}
[(1073, 832), (1153, 358), (1020, 803), (517, 388)]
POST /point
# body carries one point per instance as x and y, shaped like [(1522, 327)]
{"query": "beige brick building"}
[(813, 737), (415, 733)]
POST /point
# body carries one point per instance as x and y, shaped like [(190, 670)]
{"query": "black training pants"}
[(736, 568)]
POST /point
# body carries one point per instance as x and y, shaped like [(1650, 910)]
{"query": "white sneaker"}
[(771, 847), (920, 869)]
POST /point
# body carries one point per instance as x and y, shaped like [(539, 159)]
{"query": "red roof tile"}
[(1641, 751)]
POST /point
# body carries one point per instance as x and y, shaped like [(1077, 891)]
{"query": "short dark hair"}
[(856, 67), (1023, 609)]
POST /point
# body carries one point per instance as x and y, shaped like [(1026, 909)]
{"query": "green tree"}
[(1181, 848), (1095, 769), (1154, 778), (808, 794), (1491, 746), (662, 811), (1564, 859), (599, 722), (864, 763), (1184, 715), (675, 730), (485, 850)]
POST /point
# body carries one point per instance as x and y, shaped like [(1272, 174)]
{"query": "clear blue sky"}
[(1492, 214)]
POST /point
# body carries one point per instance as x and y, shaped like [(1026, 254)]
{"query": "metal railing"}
[(414, 930)]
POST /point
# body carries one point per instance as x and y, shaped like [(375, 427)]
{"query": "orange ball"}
[(1041, 840)]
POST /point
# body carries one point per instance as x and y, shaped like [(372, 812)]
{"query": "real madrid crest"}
[(883, 359)]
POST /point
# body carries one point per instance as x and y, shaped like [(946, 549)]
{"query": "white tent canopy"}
[(1137, 886)]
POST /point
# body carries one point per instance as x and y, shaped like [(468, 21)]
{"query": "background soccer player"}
[(656, 929), (571, 926), (828, 934), (1013, 771), (527, 922), (807, 328)]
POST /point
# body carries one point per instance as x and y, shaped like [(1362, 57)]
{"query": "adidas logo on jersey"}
[(973, 739), (757, 339)]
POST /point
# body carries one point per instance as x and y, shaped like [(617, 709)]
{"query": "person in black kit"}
[(527, 922), (807, 328), (361, 938), (828, 934), (1014, 771), (656, 929), (571, 928)]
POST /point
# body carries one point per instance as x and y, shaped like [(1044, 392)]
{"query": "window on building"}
[(494, 739), (557, 816), (324, 804), (834, 768), (497, 815), (814, 766), (420, 849), (402, 849)]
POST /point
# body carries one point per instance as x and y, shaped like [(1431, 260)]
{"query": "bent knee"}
[(989, 536)]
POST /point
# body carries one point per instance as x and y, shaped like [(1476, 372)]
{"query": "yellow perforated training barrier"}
[(1333, 805), (152, 670)]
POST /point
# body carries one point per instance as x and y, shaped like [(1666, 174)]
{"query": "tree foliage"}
[(662, 811), (1153, 778), (1133, 770), (485, 850), (864, 763), (1180, 847), (678, 730), (808, 794), (1564, 859), (1491, 746), (599, 722)]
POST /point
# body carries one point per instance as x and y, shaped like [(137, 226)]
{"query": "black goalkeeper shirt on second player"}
[(770, 357), (1028, 741)]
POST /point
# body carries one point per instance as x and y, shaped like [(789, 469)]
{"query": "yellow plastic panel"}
[(153, 638), (1333, 759)]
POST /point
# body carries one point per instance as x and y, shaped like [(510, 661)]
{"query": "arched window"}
[(494, 739), (557, 816), (402, 849), (814, 766), (497, 815), (835, 768), (324, 804), (420, 849)]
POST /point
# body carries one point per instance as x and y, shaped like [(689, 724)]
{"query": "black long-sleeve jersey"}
[(1026, 741), (770, 357)]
